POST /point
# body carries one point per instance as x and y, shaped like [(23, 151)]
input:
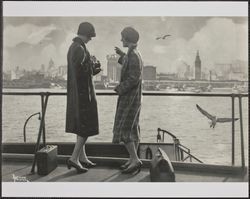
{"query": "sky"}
[(32, 41)]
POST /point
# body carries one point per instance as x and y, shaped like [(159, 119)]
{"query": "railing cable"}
[(24, 126)]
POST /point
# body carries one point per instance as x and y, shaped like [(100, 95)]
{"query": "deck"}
[(16, 165)]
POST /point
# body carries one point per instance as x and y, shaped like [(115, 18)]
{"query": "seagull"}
[(213, 118), (164, 37)]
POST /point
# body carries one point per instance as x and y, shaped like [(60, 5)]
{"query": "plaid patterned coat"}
[(126, 126)]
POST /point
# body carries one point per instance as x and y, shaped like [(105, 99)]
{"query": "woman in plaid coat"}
[(126, 126)]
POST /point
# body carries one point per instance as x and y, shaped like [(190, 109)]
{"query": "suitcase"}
[(46, 159), (161, 169)]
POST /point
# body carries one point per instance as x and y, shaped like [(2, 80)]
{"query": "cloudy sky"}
[(32, 41)]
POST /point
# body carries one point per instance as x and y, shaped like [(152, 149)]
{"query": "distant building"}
[(197, 67), (62, 71), (236, 74), (204, 75), (236, 70), (7, 75), (240, 66), (167, 76), (32, 76), (210, 75), (104, 78), (113, 68), (42, 70), (223, 70), (51, 71), (188, 72), (51, 64), (149, 73), (17, 73)]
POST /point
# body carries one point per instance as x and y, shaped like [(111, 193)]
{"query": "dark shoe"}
[(124, 166), (134, 169), (79, 168), (88, 164)]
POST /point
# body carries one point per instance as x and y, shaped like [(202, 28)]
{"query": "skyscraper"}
[(114, 68), (197, 67)]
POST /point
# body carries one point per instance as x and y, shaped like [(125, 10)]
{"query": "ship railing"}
[(45, 96), (179, 150), (186, 151)]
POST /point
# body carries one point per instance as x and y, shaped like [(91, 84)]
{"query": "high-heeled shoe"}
[(79, 168), (134, 169), (88, 164), (124, 166)]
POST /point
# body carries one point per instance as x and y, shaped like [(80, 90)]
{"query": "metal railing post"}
[(40, 132), (42, 107), (241, 135), (233, 130)]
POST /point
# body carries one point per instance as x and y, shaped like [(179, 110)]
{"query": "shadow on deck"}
[(17, 166)]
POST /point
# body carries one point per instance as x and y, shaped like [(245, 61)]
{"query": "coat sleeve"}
[(134, 73), (120, 60), (78, 56)]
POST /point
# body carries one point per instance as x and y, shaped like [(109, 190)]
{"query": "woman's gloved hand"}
[(119, 51), (97, 68)]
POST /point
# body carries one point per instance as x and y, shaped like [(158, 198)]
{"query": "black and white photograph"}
[(124, 99)]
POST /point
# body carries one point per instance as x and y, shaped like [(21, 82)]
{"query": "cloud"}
[(6, 59), (63, 48), (49, 51), (219, 41), (39, 35), (28, 33), (159, 49)]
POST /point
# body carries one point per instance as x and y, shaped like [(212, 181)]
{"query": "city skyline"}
[(218, 39), (231, 71)]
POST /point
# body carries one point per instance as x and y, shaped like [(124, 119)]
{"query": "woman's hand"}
[(119, 51), (96, 68)]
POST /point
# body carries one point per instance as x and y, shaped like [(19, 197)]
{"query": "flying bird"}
[(213, 118), (163, 37)]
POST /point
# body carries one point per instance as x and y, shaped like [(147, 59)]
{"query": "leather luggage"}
[(161, 169), (46, 159)]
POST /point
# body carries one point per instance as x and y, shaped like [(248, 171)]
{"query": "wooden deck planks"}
[(105, 174)]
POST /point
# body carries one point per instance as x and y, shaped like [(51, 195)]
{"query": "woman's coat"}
[(81, 111), (126, 125)]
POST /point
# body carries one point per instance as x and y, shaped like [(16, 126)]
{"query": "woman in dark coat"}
[(126, 126), (81, 112)]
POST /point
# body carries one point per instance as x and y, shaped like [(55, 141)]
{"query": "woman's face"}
[(124, 42), (86, 39)]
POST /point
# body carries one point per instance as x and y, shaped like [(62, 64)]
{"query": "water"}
[(177, 114)]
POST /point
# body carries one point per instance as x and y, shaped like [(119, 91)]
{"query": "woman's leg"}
[(132, 150), (136, 145), (80, 142), (83, 156)]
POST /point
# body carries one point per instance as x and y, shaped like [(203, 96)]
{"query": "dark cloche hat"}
[(130, 34), (87, 29)]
